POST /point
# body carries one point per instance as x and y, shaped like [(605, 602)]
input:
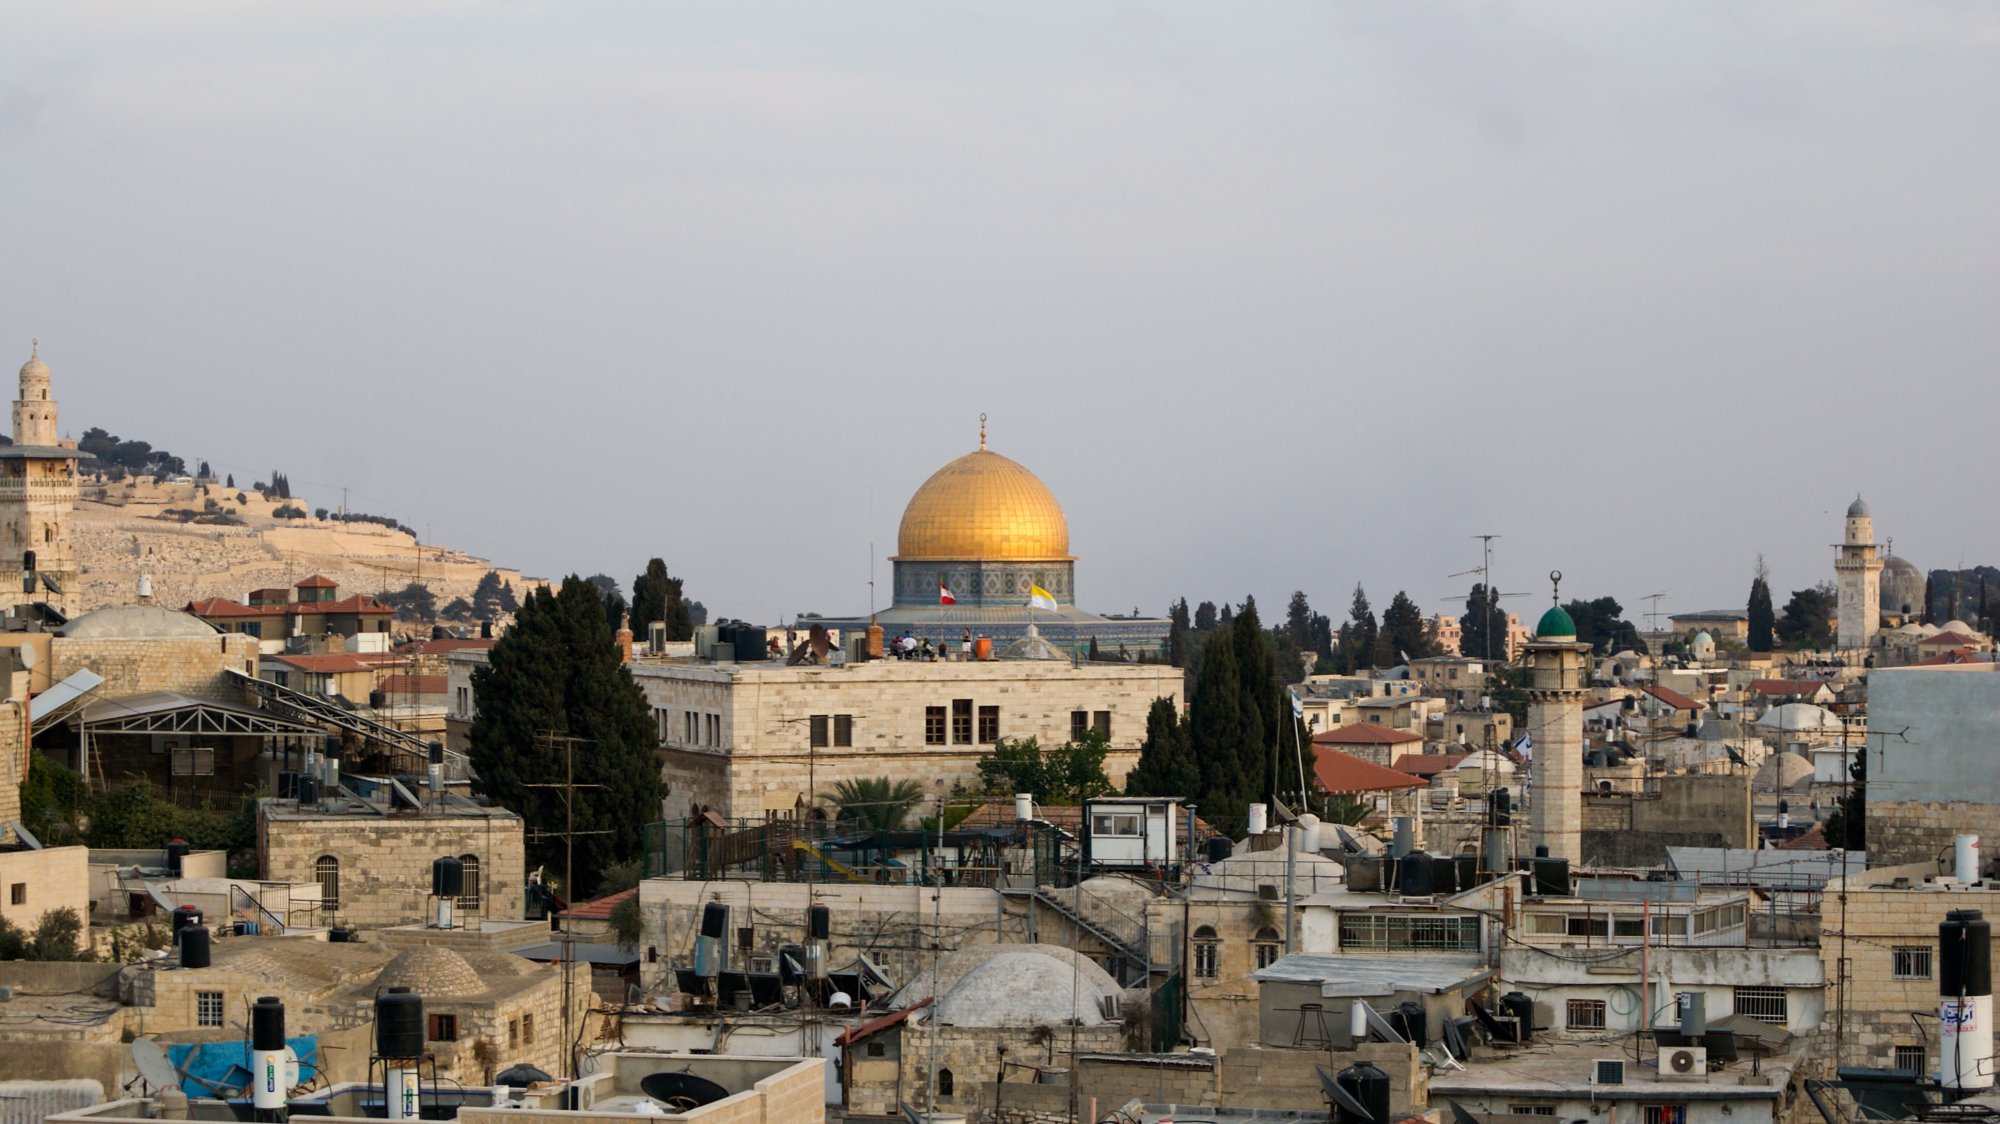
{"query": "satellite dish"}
[(1339, 1096), (26, 654), (1459, 1115), (150, 1058), (1454, 1041)]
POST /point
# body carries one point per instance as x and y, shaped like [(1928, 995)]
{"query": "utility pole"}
[(549, 739)]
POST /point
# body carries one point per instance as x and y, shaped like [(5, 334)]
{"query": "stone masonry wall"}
[(385, 862), (1911, 831), (189, 665)]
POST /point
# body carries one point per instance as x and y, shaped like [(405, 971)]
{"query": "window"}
[(1115, 823), (989, 725), (194, 762), (1268, 946), (469, 900), (1588, 925), (513, 1033), (465, 707), (326, 871), (1547, 924), (1531, 1109), (1765, 1004), (1206, 948), (528, 1028), (933, 725), (876, 1049), (1663, 1114), (1079, 724), (17, 894), (944, 1083), (1101, 722), (821, 736), (687, 727), (1585, 1014), (208, 1008), (961, 721), (444, 1028), (1910, 1058), (1409, 932), (843, 730), (715, 729), (1912, 962)]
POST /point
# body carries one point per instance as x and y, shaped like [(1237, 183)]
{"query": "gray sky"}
[(1272, 296)]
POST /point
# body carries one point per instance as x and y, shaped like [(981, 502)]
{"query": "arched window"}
[(944, 1083), (1269, 945), (1207, 949), (327, 872), (469, 900)]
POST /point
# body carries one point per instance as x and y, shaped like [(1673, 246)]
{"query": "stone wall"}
[(190, 665), (385, 861), (33, 883), (1861, 934), (526, 1026), (1682, 803), (1907, 831), (974, 1057)]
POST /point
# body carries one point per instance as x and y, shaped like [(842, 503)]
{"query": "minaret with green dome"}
[(1558, 670)]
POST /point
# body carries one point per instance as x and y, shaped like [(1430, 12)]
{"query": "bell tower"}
[(37, 495)]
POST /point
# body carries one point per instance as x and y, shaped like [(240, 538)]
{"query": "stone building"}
[(1931, 733), (312, 609), (747, 739), (371, 854), (1857, 572), (37, 496)]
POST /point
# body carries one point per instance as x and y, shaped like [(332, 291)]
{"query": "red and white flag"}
[(944, 594)]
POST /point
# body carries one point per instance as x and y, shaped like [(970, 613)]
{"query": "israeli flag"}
[(1298, 708), (1525, 746)]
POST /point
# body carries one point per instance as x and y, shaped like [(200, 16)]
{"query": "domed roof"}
[(983, 507), (432, 972), (1704, 638), (1956, 625), (34, 368), (135, 622), (1014, 985), (1857, 509), (1896, 564), (1798, 716), (1555, 625)]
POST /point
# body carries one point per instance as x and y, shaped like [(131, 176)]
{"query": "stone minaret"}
[(37, 495), (1858, 572), (1559, 667)]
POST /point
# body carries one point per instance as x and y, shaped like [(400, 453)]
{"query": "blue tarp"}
[(222, 1069)]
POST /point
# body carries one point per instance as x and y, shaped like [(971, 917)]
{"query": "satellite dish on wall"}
[(26, 654), (150, 1059)]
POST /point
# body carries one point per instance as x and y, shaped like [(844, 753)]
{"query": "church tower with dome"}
[(37, 496), (975, 541), (1857, 573)]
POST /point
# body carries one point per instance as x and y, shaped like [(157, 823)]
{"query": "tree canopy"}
[(1404, 635), (1067, 774), (1483, 629), (1600, 623), (558, 672), (1167, 765), (656, 596), (1762, 618), (493, 597), (1807, 621), (875, 803)]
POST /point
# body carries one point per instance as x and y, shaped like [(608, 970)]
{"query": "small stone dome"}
[(136, 622), (34, 369), (1958, 626), (432, 972), (1857, 509), (1016, 985), (1555, 625)]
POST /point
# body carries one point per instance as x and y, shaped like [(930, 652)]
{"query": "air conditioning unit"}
[(1684, 1061), (1608, 1071)]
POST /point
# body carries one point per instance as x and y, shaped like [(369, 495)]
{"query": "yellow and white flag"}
[(1039, 598)]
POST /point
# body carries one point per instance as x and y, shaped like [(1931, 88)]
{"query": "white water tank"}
[(1308, 834), (1259, 819), (1024, 805), (1965, 855)]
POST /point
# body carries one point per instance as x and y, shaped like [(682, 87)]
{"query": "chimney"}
[(624, 644)]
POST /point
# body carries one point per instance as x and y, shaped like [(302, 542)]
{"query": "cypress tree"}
[(1167, 764), (1257, 676), (1177, 633), (558, 671), (1403, 629), (1217, 728), (1762, 616), (1365, 634), (656, 596)]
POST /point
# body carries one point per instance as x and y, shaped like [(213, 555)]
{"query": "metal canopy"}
[(169, 712)]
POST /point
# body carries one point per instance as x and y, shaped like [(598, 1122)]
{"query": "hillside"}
[(121, 531)]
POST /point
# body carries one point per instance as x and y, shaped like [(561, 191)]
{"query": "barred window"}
[(326, 871), (208, 1008), (1765, 1004), (1585, 1014), (1531, 1110), (1207, 951), (819, 731), (1409, 932), (1268, 945), (843, 730), (1079, 724), (1910, 1058), (1912, 962), (469, 900)]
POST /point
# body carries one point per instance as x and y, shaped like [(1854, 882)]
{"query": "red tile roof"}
[(335, 663), (1812, 839), (318, 581), (1339, 773), (1427, 764), (877, 1025), (1365, 733), (360, 603), (1672, 698), (1949, 640), (1955, 656), (1779, 687), (403, 684), (600, 909)]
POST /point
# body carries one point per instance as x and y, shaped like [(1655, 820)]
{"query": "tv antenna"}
[(1653, 614), (1485, 572)]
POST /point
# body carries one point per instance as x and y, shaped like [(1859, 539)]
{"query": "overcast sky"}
[(1272, 296)]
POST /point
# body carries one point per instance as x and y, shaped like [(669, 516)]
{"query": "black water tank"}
[(819, 923), (377, 700), (267, 1023), (1444, 875), (1468, 871), (1965, 954), (447, 878), (177, 850), (435, 753), (715, 920), (1541, 850), (186, 917), (1502, 807), (1416, 879), (1551, 877), (1218, 848), (1367, 1085), (1522, 1009), (288, 784), (399, 1024), (308, 789), (1415, 1023), (333, 749), (194, 947)]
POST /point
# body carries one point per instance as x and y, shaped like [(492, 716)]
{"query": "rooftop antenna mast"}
[(1653, 614), (1485, 572)]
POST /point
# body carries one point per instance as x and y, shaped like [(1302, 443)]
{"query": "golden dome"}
[(983, 507)]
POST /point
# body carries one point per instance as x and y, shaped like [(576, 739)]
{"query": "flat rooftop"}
[(1548, 1068)]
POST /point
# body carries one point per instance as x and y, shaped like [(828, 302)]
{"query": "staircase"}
[(1124, 950), (299, 706)]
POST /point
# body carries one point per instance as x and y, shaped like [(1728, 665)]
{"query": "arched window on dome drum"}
[(1207, 953), (469, 900), (326, 872)]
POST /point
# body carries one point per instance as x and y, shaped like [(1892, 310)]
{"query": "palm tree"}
[(876, 804)]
